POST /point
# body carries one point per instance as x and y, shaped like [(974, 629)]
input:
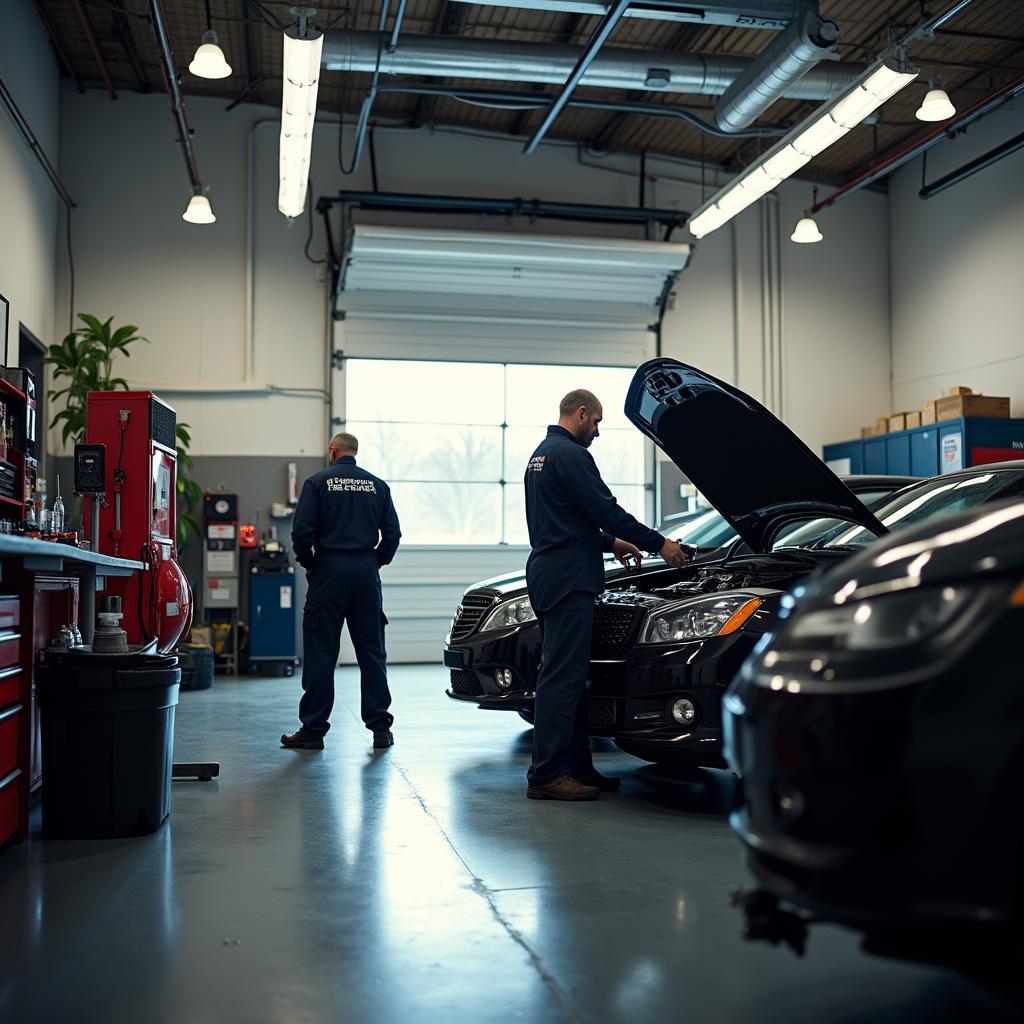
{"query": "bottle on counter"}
[(57, 515), (43, 516)]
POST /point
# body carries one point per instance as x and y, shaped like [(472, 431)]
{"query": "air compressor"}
[(130, 457)]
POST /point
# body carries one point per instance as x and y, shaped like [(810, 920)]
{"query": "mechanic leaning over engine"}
[(573, 517)]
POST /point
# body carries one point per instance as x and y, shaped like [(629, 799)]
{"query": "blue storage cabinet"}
[(272, 621), (942, 447)]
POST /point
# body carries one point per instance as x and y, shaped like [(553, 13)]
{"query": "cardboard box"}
[(882, 425), (897, 421), (913, 420), (955, 406), (950, 392), (928, 413), (202, 635), (867, 431)]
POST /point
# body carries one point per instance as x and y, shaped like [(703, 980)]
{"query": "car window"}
[(817, 532), (937, 496)]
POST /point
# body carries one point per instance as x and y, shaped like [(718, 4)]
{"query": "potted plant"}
[(85, 360)]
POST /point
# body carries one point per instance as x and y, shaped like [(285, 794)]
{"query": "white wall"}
[(185, 285), (958, 271), (28, 202)]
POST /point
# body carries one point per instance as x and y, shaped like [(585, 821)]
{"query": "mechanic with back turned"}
[(572, 518), (345, 529)]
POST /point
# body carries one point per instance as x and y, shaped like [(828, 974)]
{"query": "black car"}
[(668, 641), (879, 735)]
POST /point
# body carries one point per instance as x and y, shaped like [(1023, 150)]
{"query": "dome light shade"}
[(937, 105), (209, 60), (199, 211), (806, 231)]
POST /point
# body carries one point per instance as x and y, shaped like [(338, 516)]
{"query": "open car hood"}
[(749, 465)]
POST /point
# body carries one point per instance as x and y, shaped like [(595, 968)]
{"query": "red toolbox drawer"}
[(9, 721), (10, 686), (10, 647), (9, 806), (10, 612)]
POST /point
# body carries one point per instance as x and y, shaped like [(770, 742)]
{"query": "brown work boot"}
[(605, 783), (302, 740), (565, 787)]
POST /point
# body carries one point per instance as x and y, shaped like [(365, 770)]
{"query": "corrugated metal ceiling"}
[(980, 50)]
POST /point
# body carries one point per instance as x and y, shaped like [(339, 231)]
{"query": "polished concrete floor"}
[(418, 884)]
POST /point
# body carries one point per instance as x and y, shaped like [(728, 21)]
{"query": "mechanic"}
[(572, 517), (345, 529)]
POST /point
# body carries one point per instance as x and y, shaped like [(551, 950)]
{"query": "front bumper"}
[(630, 696), (885, 810)]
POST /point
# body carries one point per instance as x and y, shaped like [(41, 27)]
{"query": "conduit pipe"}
[(551, 64), (790, 56)]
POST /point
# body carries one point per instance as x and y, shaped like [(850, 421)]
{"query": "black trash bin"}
[(108, 742)]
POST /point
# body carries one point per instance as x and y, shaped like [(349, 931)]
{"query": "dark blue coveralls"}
[(572, 518), (345, 529)]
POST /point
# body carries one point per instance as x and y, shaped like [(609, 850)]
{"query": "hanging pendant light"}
[(937, 105), (209, 60), (199, 210), (806, 231)]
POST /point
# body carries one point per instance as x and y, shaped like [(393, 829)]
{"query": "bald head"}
[(578, 399), (580, 412), (343, 444)]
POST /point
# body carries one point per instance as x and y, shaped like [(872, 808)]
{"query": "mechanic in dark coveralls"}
[(345, 529), (572, 518)]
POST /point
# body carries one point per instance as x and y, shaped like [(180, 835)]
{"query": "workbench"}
[(43, 586)]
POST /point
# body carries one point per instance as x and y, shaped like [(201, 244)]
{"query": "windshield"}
[(707, 531), (938, 496), (816, 532)]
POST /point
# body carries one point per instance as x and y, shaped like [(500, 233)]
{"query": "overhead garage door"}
[(488, 297)]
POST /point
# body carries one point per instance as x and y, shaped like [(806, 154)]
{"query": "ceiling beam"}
[(124, 33), (611, 131), (94, 45), (567, 36), (58, 46), (450, 19)]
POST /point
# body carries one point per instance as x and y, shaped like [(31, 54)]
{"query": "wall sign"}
[(952, 456)]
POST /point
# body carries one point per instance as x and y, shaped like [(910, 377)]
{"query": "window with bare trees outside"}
[(453, 439)]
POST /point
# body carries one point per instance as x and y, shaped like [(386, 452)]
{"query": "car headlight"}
[(510, 613), (893, 620), (695, 620)]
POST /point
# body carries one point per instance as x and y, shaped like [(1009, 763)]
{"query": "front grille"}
[(600, 713), (465, 684), (470, 612), (612, 627)]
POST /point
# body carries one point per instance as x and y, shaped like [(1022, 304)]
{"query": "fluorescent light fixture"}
[(298, 112), (199, 210), (824, 128), (806, 231), (209, 60), (937, 105)]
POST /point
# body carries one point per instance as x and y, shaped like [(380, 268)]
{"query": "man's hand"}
[(627, 554), (675, 554)]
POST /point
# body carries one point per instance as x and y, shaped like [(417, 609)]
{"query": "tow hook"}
[(767, 922)]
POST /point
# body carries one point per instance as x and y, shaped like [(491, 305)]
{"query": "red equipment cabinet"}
[(139, 518)]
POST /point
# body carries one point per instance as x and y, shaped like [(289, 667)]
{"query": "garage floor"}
[(418, 884)]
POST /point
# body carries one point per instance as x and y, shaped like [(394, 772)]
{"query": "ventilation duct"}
[(787, 59), (550, 64), (769, 14)]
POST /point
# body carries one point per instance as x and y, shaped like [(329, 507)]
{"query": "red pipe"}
[(933, 137)]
